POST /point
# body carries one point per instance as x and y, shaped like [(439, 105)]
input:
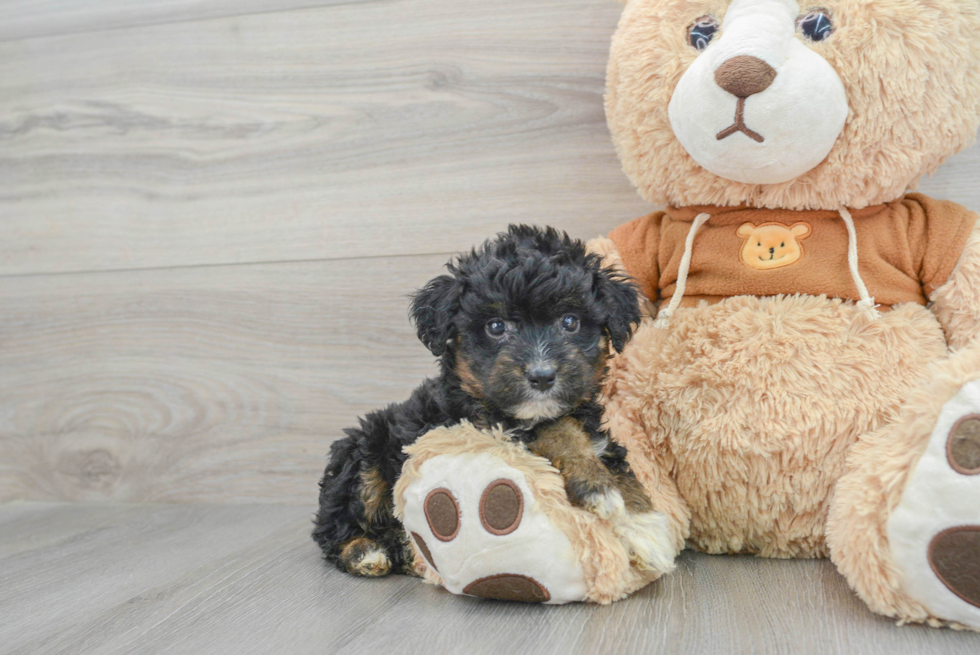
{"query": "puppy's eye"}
[(496, 328), (569, 323), (816, 24), (701, 31), (782, 245)]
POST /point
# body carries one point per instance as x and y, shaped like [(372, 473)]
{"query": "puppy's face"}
[(526, 321), (530, 362)]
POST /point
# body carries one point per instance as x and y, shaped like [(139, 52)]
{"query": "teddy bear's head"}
[(772, 103)]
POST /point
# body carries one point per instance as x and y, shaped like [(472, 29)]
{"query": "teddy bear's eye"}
[(782, 245), (701, 31), (816, 24)]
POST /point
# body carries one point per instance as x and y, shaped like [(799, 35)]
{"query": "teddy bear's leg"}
[(904, 523), (488, 518)]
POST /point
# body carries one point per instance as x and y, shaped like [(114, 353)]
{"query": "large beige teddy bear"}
[(808, 381)]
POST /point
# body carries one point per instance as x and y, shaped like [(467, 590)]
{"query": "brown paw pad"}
[(442, 513), (501, 507), (963, 447), (954, 555), (509, 586), (424, 549)]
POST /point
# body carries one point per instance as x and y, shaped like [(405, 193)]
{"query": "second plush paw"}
[(934, 532)]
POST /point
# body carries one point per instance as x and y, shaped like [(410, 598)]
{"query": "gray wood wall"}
[(212, 213)]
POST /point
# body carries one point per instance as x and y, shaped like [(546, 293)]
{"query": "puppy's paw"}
[(605, 503), (366, 558), (647, 537)]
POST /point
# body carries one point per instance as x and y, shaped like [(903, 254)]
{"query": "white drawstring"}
[(663, 316), (867, 302)]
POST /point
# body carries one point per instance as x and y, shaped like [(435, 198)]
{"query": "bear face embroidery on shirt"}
[(772, 245)]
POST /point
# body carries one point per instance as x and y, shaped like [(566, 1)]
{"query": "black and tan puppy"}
[(522, 327)]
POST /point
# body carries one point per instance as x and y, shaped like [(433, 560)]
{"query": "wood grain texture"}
[(201, 384), (247, 579), (326, 133), (28, 19)]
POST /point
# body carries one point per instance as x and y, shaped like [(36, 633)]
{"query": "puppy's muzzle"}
[(542, 377)]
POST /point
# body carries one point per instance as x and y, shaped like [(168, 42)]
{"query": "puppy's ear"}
[(617, 295), (433, 309)]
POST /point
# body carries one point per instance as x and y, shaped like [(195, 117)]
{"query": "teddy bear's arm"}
[(956, 303)]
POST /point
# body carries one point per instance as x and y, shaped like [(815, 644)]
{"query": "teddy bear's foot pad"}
[(934, 532), (963, 447), (953, 555), (480, 529), (507, 586), (503, 586)]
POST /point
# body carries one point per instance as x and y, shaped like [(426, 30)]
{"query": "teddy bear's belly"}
[(758, 401)]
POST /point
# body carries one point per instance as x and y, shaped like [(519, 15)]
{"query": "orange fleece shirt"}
[(906, 249)]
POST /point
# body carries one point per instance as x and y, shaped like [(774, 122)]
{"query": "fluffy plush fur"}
[(878, 469), (522, 327), (912, 83), (736, 403), (957, 303)]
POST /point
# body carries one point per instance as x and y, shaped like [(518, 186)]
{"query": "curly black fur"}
[(529, 281)]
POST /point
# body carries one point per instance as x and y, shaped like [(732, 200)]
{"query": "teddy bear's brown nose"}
[(744, 76)]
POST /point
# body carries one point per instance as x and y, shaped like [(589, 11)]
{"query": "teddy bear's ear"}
[(800, 230), (617, 297), (433, 309), (745, 229)]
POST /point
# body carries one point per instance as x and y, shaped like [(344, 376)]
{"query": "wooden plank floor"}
[(222, 384), (247, 579)]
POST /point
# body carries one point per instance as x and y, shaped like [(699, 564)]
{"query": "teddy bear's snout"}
[(758, 50), (744, 76)]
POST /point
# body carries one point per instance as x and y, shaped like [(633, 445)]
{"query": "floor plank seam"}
[(184, 21), (180, 267)]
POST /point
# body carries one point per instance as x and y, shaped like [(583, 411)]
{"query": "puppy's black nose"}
[(772, 250), (541, 378)]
